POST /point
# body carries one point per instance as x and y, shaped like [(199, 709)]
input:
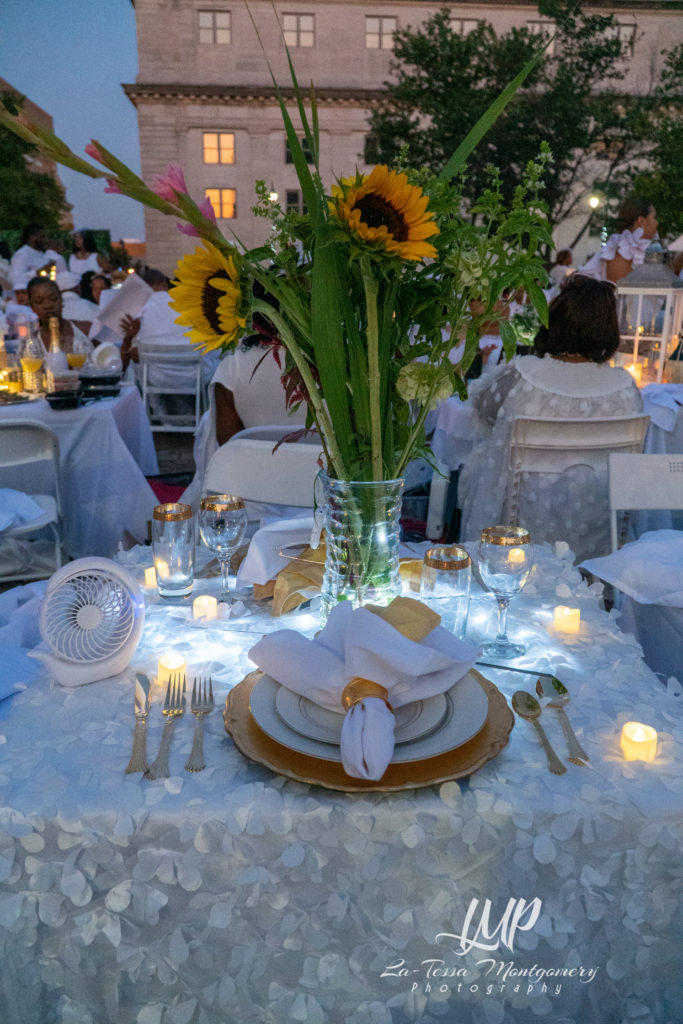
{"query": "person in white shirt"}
[(30, 258), (73, 306), (625, 250), (85, 255)]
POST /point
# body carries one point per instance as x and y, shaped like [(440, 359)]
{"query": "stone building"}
[(205, 100)]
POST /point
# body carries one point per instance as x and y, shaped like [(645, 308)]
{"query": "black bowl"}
[(100, 380), (64, 399)]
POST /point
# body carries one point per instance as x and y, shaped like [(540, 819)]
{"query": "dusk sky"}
[(70, 57)]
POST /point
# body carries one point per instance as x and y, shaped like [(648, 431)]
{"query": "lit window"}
[(214, 26), (543, 28), (463, 26), (224, 202), (299, 29), (219, 147), (379, 33), (289, 159)]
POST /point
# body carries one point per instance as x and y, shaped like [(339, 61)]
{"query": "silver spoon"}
[(526, 706), (558, 696)]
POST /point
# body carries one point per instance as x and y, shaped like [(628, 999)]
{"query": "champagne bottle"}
[(55, 360)]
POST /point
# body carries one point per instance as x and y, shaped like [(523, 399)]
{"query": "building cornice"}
[(256, 95)]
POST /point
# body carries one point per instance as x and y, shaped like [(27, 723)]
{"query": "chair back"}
[(173, 356), (643, 482), (254, 469)]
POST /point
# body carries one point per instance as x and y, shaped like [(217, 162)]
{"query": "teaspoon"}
[(558, 696), (526, 706)]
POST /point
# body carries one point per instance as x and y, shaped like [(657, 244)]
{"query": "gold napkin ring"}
[(358, 689)]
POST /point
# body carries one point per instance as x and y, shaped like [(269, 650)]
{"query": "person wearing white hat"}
[(73, 306)]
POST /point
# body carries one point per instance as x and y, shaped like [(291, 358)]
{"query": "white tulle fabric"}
[(629, 244), (237, 895), (569, 506)]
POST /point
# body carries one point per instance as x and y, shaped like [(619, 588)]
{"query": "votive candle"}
[(205, 607), (638, 742), (567, 620), (150, 577), (516, 555), (636, 371), (170, 664), (162, 570)]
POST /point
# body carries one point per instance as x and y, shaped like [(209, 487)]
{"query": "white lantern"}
[(650, 309)]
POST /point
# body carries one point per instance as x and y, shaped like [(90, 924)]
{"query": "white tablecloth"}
[(236, 895), (106, 448)]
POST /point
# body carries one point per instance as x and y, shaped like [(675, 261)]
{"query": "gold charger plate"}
[(255, 744)]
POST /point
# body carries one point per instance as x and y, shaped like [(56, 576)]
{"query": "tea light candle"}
[(169, 664), (638, 742), (150, 577), (636, 371), (516, 555), (567, 620), (162, 569), (205, 607)]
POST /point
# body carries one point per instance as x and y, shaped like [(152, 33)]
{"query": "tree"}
[(443, 82), (26, 196)]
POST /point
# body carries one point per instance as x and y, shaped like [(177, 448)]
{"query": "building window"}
[(463, 26), (299, 29), (379, 33), (289, 159), (625, 33), (543, 28), (294, 202), (214, 26), (219, 147), (224, 202)]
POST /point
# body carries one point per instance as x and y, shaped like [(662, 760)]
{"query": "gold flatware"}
[(526, 706), (558, 697), (201, 705), (174, 705), (138, 757)]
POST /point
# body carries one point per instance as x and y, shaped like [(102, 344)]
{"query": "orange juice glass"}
[(30, 364), (76, 359)]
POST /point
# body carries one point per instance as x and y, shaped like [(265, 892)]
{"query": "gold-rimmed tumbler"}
[(445, 586), (173, 549)]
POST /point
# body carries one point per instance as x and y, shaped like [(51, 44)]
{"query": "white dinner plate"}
[(413, 721), (466, 712)]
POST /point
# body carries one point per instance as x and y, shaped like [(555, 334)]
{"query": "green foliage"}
[(26, 196)]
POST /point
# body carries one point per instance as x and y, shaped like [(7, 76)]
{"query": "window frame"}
[(223, 202), (381, 32), (219, 149), (457, 25), (293, 36), (214, 28)]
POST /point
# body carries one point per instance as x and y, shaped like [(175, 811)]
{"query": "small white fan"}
[(91, 618)]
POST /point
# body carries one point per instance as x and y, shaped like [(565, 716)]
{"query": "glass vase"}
[(362, 524)]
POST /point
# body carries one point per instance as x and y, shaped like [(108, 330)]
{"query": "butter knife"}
[(138, 757)]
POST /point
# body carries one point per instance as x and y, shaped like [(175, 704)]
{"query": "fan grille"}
[(66, 625)]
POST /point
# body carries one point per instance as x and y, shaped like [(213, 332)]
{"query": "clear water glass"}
[(445, 586), (506, 558), (222, 524), (173, 549)]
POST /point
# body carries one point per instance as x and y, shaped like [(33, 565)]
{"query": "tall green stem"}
[(374, 379)]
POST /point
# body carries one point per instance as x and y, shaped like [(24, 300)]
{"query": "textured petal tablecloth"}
[(238, 896)]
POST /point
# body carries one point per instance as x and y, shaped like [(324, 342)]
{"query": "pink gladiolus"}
[(112, 186), (188, 229), (206, 207), (171, 184), (92, 150)]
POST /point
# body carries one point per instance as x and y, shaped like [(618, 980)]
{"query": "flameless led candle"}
[(638, 742), (516, 555), (150, 577), (636, 371), (162, 569), (567, 620), (205, 607), (170, 664)]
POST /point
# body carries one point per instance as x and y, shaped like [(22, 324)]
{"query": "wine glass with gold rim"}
[(222, 523), (506, 557)]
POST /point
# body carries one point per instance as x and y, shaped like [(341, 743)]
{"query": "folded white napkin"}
[(264, 559), (650, 570), (357, 643), (17, 508)]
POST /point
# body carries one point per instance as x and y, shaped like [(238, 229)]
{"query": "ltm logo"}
[(519, 916)]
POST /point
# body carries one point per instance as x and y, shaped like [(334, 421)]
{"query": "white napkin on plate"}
[(357, 643), (17, 508), (264, 560), (650, 570)]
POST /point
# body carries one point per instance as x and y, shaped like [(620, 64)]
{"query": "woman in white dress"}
[(85, 256), (568, 376), (625, 250)]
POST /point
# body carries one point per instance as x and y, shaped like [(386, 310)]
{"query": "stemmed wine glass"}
[(32, 353), (506, 558), (222, 522)]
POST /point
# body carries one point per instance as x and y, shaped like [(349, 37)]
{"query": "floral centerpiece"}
[(367, 294)]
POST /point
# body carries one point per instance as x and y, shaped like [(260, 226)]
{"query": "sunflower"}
[(383, 209), (209, 298)]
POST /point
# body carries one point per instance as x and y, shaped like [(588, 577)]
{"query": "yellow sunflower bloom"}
[(209, 298), (382, 208)]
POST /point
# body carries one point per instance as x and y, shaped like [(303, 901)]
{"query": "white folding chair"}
[(639, 482), (254, 469), (23, 442), (539, 445), (165, 356)]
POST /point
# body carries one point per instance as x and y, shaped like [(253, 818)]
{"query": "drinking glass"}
[(222, 522), (31, 352), (445, 586), (173, 549), (505, 562), (81, 351)]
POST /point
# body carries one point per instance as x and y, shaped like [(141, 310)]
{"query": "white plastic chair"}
[(23, 442), (539, 445), (249, 467), (165, 355), (643, 482)]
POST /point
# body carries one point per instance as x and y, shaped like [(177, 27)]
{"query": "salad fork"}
[(202, 704), (174, 705)]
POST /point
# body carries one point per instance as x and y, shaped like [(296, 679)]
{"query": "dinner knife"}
[(138, 757)]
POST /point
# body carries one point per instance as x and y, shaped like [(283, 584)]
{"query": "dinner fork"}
[(174, 705), (202, 704)]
